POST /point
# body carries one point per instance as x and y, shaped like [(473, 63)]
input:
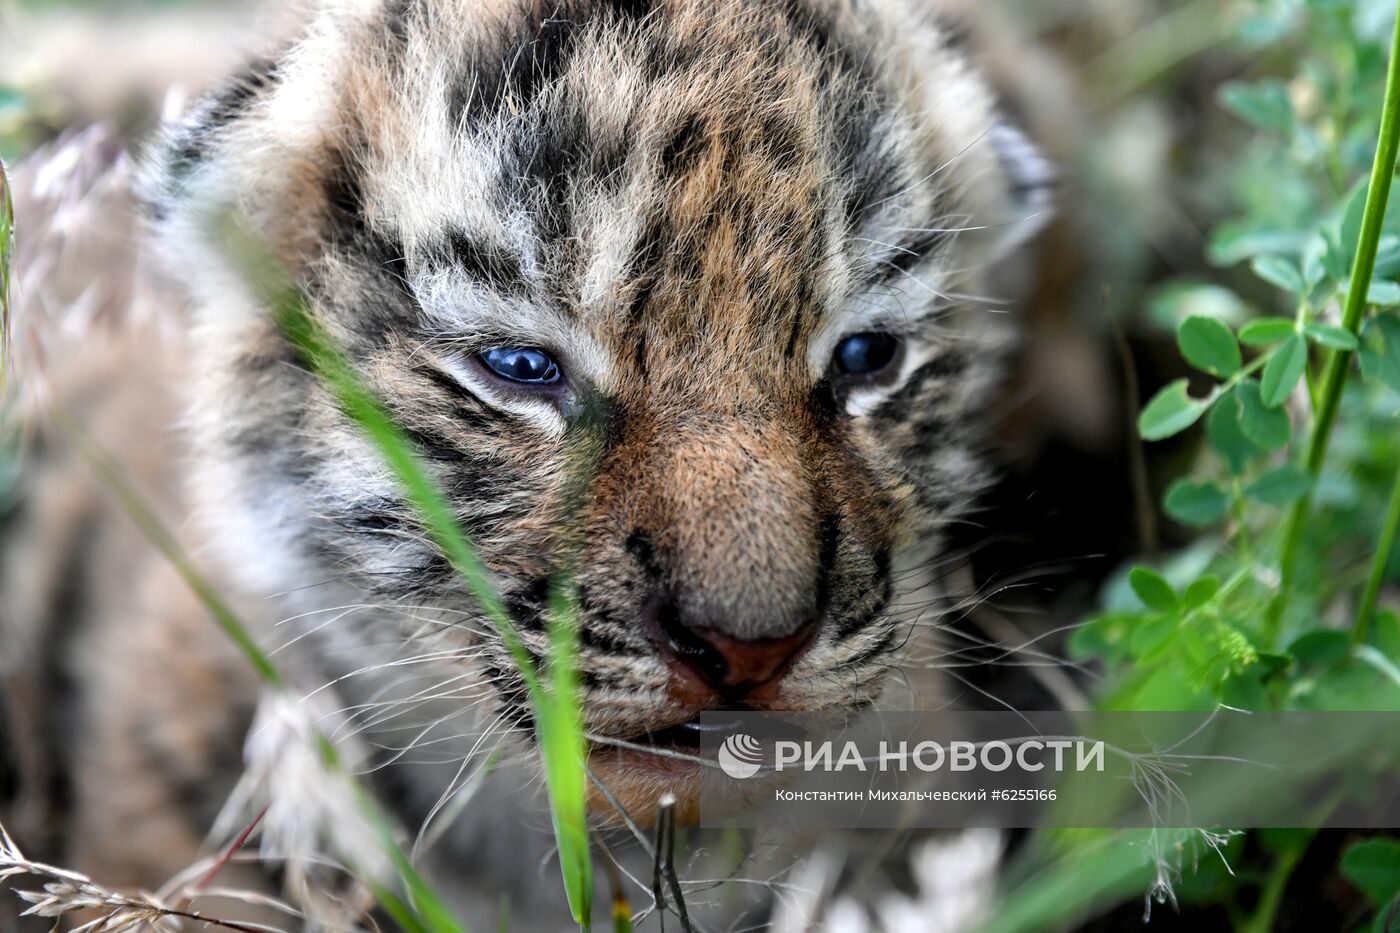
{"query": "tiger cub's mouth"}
[(668, 762), (689, 735)]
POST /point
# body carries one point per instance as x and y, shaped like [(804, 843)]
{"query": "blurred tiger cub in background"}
[(745, 253)]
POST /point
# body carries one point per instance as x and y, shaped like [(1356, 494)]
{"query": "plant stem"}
[(1271, 895), (1379, 562), (1335, 372)]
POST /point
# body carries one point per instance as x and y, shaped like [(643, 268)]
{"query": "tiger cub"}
[(742, 259)]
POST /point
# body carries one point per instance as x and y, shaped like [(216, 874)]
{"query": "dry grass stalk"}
[(64, 893)]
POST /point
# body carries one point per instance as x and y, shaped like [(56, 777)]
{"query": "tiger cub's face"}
[(682, 298)]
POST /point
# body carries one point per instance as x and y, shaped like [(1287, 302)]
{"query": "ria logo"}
[(740, 756)]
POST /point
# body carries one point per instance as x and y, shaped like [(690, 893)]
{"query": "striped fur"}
[(690, 204)]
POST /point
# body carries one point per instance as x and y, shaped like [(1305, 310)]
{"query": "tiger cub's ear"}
[(188, 142), (974, 30), (1031, 180)]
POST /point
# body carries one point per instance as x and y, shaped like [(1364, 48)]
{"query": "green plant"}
[(1243, 589), (1373, 866), (1274, 606)]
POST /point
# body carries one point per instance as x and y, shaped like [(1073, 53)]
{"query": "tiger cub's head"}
[(728, 261)]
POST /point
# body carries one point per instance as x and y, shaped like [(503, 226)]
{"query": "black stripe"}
[(596, 638), (818, 31), (398, 21), (447, 384), (685, 146), (486, 262), (380, 518), (533, 58), (907, 255), (526, 605), (469, 413), (511, 695), (916, 392), (829, 542), (957, 32), (643, 270), (349, 229), (432, 445)]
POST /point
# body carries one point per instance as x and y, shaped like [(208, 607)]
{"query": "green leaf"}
[(1102, 636), (1237, 240), (1153, 589), (1282, 486), (1327, 335), (1314, 261), (1373, 865), (1175, 301), (1322, 648), (1349, 231), (1380, 350), (1245, 690), (1283, 371), (1267, 330), (1280, 272), (1265, 104), (1388, 258), (1208, 344), (1201, 591), (1265, 25), (1383, 294), (1380, 291), (1171, 411), (1226, 436), (1385, 632), (1152, 634), (1196, 503), (1265, 426), (1334, 256)]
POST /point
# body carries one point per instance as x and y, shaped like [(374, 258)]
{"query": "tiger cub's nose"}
[(706, 658)]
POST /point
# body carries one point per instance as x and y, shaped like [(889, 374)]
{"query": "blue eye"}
[(525, 365), (865, 354)]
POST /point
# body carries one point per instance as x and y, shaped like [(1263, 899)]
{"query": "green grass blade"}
[(403, 915), (560, 716), (621, 915)]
